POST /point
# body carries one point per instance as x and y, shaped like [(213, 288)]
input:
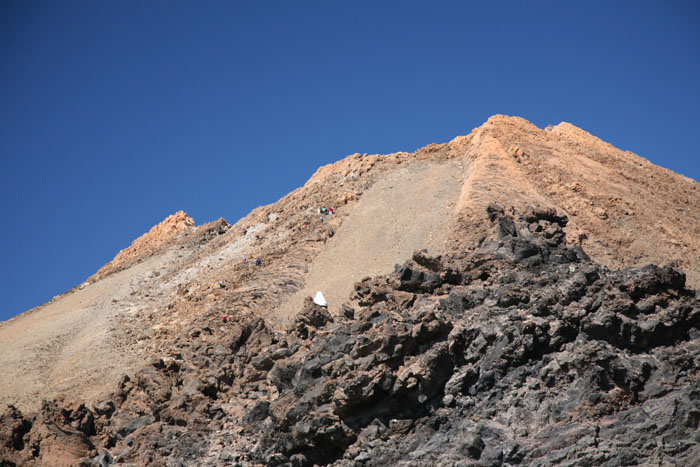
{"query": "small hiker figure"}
[(258, 261), (223, 319), (245, 260), (322, 219)]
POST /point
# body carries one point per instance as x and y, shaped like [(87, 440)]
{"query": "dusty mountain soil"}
[(179, 280), (76, 344)]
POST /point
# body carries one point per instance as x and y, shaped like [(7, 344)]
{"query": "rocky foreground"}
[(522, 352)]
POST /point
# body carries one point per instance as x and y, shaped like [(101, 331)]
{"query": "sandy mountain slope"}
[(623, 210), (92, 334), (409, 209)]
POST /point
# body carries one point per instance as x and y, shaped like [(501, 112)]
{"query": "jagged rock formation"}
[(523, 352), (512, 340)]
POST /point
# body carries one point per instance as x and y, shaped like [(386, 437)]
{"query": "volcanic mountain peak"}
[(195, 299)]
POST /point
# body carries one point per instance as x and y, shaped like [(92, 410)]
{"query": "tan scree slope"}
[(179, 279), (74, 345), (411, 208)]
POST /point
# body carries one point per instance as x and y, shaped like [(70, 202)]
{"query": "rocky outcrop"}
[(522, 352), (160, 235)]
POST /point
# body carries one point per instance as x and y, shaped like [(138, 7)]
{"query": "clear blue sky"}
[(116, 114)]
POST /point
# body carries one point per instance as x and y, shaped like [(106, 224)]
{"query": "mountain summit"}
[(516, 296)]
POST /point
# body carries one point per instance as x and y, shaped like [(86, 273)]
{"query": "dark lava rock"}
[(523, 352), (314, 315)]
